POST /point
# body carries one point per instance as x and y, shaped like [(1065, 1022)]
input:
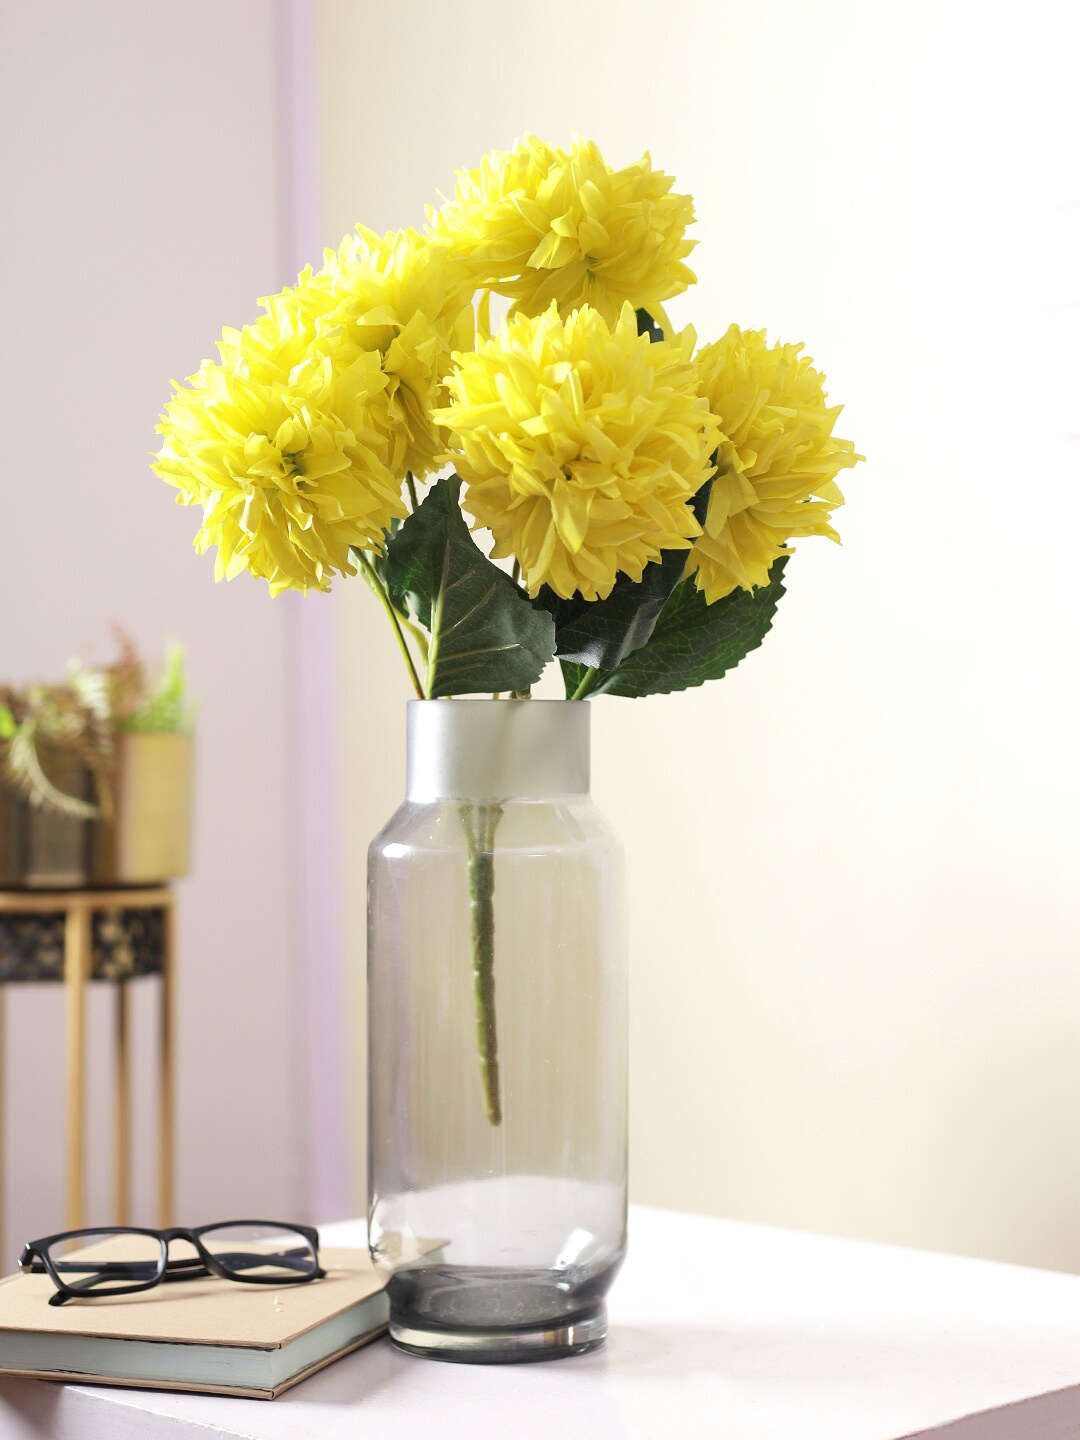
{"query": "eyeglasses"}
[(94, 1264)]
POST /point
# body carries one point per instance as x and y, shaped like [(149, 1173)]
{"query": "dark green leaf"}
[(692, 642), (646, 325), (379, 564), (484, 633), (600, 634)]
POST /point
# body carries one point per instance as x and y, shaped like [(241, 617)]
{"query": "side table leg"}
[(167, 1057), (123, 1112), (77, 941)]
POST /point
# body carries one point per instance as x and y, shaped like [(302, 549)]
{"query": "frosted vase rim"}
[(496, 750)]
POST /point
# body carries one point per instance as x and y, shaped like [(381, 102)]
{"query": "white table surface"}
[(718, 1329)]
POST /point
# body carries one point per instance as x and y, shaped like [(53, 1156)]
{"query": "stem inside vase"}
[(480, 822)]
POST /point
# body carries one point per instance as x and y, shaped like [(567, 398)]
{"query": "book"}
[(208, 1334)]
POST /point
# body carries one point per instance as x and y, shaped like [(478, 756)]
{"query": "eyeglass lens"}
[(105, 1260), (261, 1251)]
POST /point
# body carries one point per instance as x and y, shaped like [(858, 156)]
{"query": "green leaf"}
[(692, 642), (646, 325), (378, 562), (599, 634), (485, 635), (165, 710), (8, 727)]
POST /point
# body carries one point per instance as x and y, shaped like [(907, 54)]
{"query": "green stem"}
[(515, 575), (372, 578), (586, 684), (417, 634), (481, 878), (411, 483)]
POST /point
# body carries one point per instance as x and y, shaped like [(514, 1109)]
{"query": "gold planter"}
[(145, 842)]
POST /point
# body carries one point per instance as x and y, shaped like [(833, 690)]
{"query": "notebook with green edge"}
[(207, 1334)]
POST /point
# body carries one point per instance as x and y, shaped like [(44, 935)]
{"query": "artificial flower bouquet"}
[(641, 492), (580, 482)]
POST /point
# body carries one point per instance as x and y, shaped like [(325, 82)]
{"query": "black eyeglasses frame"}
[(35, 1258)]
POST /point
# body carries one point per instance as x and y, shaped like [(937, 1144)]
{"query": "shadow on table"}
[(1047, 1417), (29, 1409), (817, 1367), (824, 1357), (361, 1375)]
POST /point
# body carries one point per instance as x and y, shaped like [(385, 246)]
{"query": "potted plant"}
[(95, 776)]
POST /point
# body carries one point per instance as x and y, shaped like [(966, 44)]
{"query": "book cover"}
[(205, 1334)]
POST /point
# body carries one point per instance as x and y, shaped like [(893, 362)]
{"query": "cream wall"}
[(142, 174), (855, 988)]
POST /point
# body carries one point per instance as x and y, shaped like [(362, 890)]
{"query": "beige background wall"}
[(142, 169), (856, 989), (856, 996)]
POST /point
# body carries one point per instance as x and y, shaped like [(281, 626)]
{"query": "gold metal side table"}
[(101, 935)]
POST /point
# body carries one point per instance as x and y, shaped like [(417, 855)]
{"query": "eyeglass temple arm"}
[(299, 1260), (97, 1278)]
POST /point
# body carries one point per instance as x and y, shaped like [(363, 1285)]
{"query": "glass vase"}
[(497, 1037)]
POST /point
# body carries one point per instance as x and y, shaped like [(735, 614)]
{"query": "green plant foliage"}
[(692, 642), (166, 709), (381, 566), (79, 718), (599, 634), (646, 325), (485, 635)]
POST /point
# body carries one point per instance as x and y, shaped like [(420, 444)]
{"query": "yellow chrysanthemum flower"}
[(276, 442), (581, 446), (410, 299), (778, 459), (297, 441), (539, 224)]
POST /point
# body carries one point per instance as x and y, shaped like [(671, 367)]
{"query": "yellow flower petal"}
[(296, 442), (540, 224), (581, 445), (778, 460)]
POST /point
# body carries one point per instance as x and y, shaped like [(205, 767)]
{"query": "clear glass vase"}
[(497, 1037)]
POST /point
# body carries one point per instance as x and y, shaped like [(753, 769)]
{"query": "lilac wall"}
[(144, 144), (329, 1136)]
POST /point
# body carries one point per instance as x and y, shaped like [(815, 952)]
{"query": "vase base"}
[(554, 1341)]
